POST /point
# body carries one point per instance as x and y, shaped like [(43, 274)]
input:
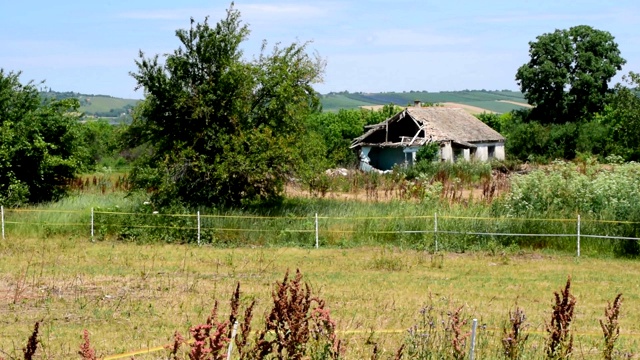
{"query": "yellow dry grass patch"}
[(473, 110), (133, 297), (516, 103)]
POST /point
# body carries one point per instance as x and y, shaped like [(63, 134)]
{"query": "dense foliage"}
[(223, 130), (39, 143), (338, 129), (594, 192), (101, 144), (567, 77)]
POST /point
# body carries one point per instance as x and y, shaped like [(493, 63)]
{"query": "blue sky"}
[(370, 46)]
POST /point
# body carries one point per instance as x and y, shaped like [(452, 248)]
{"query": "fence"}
[(431, 232)]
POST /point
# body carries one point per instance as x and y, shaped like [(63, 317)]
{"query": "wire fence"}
[(433, 232)]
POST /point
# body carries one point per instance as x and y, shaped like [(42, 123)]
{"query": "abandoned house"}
[(397, 139)]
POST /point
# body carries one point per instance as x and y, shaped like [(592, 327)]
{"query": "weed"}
[(387, 260), (457, 338), (513, 340), (560, 341), (437, 261), (29, 350), (86, 351), (610, 326)]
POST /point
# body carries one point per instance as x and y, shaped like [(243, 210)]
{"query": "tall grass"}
[(539, 211)]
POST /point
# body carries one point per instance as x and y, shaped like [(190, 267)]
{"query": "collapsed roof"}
[(416, 126)]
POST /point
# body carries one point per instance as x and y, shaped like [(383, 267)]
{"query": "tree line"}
[(574, 110), (217, 129)]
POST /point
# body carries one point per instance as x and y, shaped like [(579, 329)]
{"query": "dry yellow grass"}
[(473, 110), (523, 104), (133, 297)]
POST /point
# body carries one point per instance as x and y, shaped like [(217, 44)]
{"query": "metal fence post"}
[(317, 244), (2, 216), (233, 337), (578, 235), (198, 227), (435, 228), (473, 339), (92, 226)]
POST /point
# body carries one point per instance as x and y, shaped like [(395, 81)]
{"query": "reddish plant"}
[(32, 344), (208, 344), (513, 341), (86, 352), (323, 330), (560, 341), (457, 336), (287, 331), (178, 340), (245, 331), (610, 326)]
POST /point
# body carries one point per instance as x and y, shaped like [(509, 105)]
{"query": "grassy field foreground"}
[(132, 297)]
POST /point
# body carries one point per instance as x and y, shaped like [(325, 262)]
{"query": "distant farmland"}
[(493, 101)]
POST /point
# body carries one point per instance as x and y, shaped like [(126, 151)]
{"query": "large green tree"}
[(567, 77), (621, 117), (338, 129), (221, 129), (39, 148)]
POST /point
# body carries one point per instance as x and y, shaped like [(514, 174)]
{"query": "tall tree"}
[(567, 77), (621, 117), (220, 129), (39, 148)]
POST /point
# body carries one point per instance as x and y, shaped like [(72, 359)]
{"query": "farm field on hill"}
[(492, 101), (131, 297)]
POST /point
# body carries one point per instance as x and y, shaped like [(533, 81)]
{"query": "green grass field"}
[(133, 297), (100, 103)]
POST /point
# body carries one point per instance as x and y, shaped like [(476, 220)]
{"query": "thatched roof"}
[(428, 124)]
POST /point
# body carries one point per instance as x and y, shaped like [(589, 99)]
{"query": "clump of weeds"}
[(513, 339), (611, 327), (559, 344)]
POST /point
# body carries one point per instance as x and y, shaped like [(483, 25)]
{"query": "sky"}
[(370, 46)]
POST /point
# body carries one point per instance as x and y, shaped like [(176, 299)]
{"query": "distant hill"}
[(475, 101), (103, 106), (499, 101)]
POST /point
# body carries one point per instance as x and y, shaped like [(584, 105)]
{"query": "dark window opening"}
[(492, 152)]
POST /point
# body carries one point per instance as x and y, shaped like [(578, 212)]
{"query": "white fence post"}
[(435, 228), (198, 227), (233, 337), (578, 235), (92, 226), (2, 216), (473, 339), (317, 244)]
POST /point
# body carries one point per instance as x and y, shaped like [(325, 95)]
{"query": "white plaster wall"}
[(499, 153), (466, 153), (482, 152), (446, 152)]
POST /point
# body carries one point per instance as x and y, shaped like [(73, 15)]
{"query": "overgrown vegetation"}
[(39, 144), (299, 326)]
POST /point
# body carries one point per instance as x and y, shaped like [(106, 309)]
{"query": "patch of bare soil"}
[(468, 108), (515, 103)]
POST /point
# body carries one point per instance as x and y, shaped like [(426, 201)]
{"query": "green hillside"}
[(113, 107), (97, 105), (489, 100)]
